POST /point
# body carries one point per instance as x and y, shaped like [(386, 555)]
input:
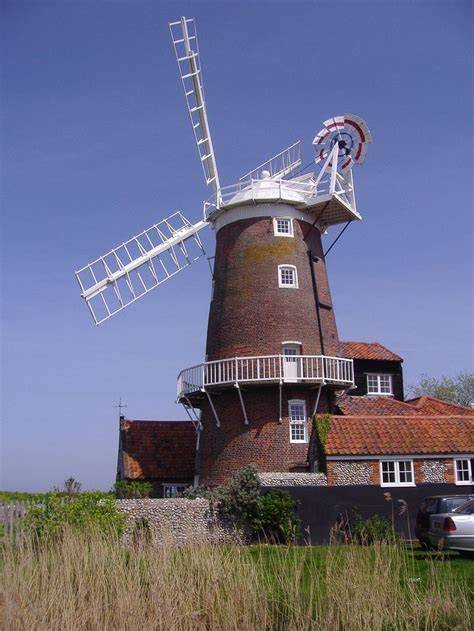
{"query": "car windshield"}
[(453, 503), (466, 509)]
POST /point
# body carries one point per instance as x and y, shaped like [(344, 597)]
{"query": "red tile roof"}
[(378, 435), (373, 406), (430, 405), (368, 350), (158, 449)]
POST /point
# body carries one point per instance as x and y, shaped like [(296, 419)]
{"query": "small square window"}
[(283, 227), (379, 384), (462, 470), (287, 276)]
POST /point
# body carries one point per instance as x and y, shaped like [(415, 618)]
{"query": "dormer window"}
[(283, 227), (287, 276), (379, 384)]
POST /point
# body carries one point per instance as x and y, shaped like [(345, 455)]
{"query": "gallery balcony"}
[(194, 382)]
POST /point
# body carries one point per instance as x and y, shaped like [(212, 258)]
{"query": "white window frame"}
[(174, 485), (294, 284), (457, 470), (277, 232), (396, 462), (379, 392), (298, 423)]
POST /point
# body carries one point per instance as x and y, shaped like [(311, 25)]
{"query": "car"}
[(435, 505), (455, 530)]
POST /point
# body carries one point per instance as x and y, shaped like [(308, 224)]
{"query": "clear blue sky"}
[(96, 145)]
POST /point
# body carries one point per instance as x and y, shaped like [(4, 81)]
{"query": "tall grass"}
[(91, 581)]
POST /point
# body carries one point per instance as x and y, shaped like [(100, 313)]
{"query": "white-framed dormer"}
[(287, 277), (379, 384), (397, 471), (298, 421), (283, 227), (463, 471)]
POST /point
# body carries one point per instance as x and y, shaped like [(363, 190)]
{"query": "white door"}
[(291, 364)]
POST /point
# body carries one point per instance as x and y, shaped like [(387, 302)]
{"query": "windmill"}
[(272, 345)]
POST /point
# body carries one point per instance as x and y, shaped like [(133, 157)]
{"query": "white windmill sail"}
[(185, 41), (128, 272)]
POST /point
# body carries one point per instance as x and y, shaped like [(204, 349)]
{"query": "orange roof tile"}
[(368, 350), (373, 406), (378, 435), (430, 405), (158, 449)]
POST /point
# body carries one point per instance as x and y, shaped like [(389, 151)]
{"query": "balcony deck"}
[(336, 372)]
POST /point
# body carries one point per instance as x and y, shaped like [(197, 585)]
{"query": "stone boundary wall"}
[(292, 479), (176, 521)]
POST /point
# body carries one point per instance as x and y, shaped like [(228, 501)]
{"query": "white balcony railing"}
[(267, 368)]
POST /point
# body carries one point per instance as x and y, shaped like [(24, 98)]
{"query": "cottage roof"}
[(374, 406), (157, 449), (430, 405), (379, 435), (368, 350)]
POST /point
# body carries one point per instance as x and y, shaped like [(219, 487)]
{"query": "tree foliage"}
[(134, 489), (458, 389)]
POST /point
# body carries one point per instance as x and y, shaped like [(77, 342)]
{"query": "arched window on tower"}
[(287, 276)]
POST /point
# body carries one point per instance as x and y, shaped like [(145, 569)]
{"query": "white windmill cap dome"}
[(265, 174)]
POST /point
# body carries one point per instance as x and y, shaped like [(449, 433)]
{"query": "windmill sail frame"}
[(128, 272), (186, 46)]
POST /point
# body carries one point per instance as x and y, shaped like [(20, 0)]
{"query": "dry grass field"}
[(91, 581)]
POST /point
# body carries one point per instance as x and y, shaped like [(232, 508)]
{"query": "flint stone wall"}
[(177, 521), (293, 479), (434, 471), (352, 473)]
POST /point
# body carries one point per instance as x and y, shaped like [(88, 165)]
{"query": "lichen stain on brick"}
[(258, 252)]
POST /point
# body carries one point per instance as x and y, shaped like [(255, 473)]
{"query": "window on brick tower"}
[(298, 424), (379, 384), (287, 276), (283, 227)]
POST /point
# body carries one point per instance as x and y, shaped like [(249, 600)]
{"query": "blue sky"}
[(96, 145)]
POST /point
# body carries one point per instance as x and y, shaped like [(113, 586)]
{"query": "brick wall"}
[(429, 470), (251, 315), (264, 441)]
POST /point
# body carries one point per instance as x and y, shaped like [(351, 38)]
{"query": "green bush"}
[(89, 510), (271, 516), (277, 520), (375, 529), (132, 490)]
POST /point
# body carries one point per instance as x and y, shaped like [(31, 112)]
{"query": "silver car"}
[(454, 531)]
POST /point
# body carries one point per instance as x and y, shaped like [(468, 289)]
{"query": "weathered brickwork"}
[(177, 521), (434, 471), (264, 441), (293, 479), (250, 315)]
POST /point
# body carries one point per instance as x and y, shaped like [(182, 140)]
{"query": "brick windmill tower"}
[(272, 353)]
